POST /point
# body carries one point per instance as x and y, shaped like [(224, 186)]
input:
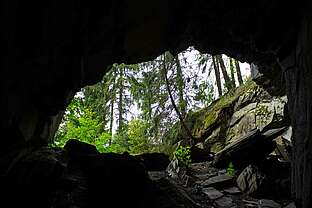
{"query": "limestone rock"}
[(236, 115), (220, 181), (156, 175), (250, 148), (266, 203), (232, 190), (256, 115), (291, 205), (174, 168), (245, 125), (251, 181), (212, 193), (241, 113), (224, 202)]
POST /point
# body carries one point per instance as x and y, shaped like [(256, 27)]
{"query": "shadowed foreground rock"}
[(79, 176), (252, 148)]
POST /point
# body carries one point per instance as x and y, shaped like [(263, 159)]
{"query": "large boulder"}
[(233, 116), (154, 161), (253, 182), (261, 111), (271, 180)]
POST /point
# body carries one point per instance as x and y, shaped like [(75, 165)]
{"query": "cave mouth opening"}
[(137, 94), (228, 148)]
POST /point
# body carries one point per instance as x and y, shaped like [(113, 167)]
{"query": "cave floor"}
[(204, 186)]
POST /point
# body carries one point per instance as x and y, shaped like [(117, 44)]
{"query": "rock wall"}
[(52, 49), (298, 72), (234, 115)]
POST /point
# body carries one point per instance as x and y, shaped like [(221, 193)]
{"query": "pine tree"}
[(232, 70), (180, 87), (228, 82), (217, 74), (165, 68), (239, 73)]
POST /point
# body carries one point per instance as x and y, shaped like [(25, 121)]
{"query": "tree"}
[(217, 75), (138, 137), (162, 91), (239, 74), (232, 70), (101, 98), (120, 87), (180, 86), (79, 123), (228, 81), (165, 66)]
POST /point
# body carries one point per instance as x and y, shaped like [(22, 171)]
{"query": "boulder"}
[(251, 148), (291, 205), (174, 169), (253, 182), (267, 203), (78, 150), (232, 190), (154, 161), (234, 116), (271, 180), (32, 177), (212, 193), (220, 181), (260, 114), (224, 202)]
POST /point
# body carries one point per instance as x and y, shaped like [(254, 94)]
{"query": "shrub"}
[(183, 154), (230, 169)]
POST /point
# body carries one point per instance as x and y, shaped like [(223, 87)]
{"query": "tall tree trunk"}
[(149, 98), (298, 73), (188, 132), (217, 75), (180, 83), (239, 73), (121, 104), (111, 120), (112, 104), (120, 99), (232, 72), (226, 77)]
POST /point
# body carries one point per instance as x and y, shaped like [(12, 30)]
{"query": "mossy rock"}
[(204, 122)]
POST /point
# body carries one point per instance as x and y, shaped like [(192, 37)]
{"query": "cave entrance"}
[(235, 124), (50, 51), (149, 100)]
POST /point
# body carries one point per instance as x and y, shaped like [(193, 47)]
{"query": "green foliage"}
[(230, 169), (103, 115), (183, 154), (102, 142), (119, 144), (205, 93), (80, 123), (138, 138)]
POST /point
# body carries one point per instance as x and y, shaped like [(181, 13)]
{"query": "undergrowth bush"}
[(183, 154)]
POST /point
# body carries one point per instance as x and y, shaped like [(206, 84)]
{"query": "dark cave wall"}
[(53, 48), (49, 50), (298, 74)]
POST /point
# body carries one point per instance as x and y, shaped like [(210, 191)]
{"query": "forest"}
[(135, 107)]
